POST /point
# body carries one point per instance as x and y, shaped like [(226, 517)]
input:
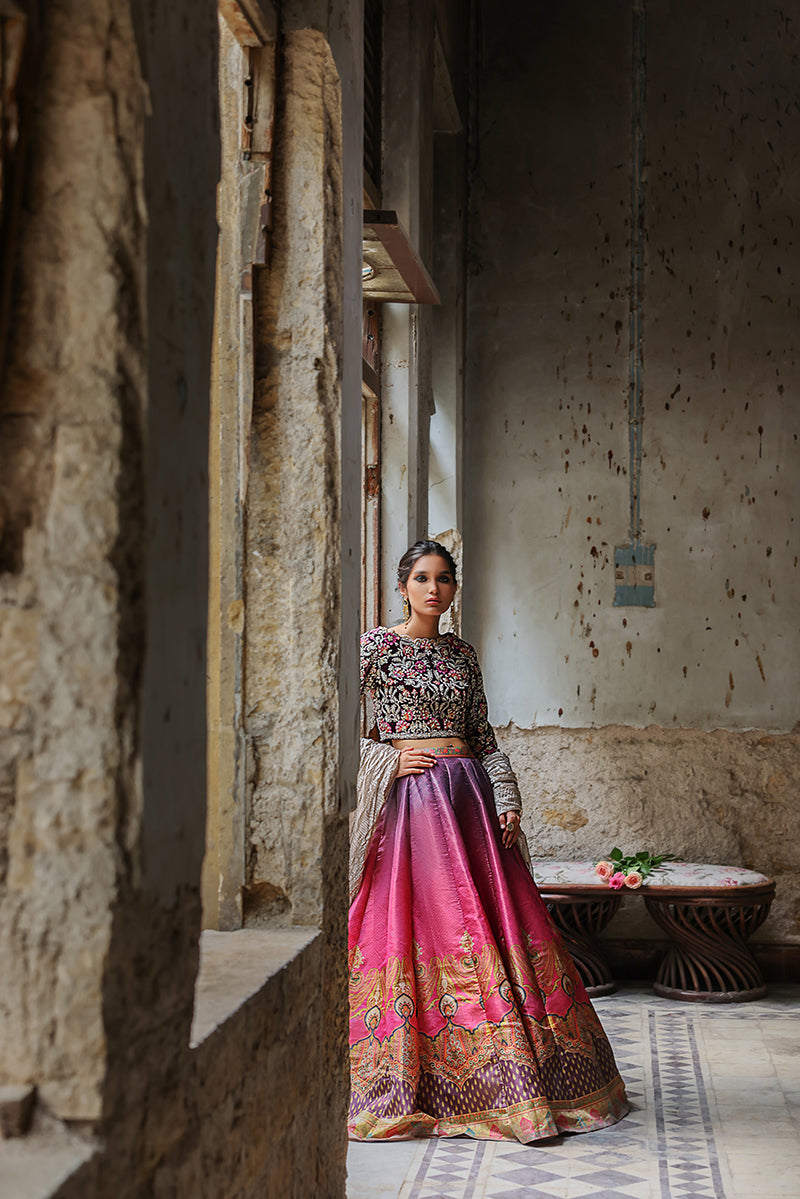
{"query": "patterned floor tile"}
[(527, 1176), (696, 1132)]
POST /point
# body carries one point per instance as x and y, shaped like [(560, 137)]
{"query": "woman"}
[(466, 1013)]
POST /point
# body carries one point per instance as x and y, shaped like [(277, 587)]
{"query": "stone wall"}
[(104, 420), (71, 416), (716, 796), (597, 699), (241, 1115), (293, 504)]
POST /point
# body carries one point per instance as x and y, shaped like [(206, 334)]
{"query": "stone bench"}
[(708, 913)]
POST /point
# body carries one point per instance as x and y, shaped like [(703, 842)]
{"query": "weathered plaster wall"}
[(718, 796), (547, 424)]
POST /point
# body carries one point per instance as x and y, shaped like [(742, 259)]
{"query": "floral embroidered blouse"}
[(429, 687)]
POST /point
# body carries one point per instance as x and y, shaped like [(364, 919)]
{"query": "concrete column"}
[(446, 452), (406, 379)]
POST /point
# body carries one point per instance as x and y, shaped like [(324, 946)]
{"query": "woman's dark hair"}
[(420, 549)]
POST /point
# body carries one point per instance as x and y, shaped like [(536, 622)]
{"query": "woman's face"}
[(431, 587)]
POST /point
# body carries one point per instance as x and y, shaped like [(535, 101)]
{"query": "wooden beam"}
[(252, 22), (398, 273), (370, 379), (260, 113)]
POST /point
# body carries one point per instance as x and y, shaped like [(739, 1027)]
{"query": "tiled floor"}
[(715, 1092)]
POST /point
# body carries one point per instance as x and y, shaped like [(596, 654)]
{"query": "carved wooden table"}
[(709, 960), (580, 917), (708, 913)]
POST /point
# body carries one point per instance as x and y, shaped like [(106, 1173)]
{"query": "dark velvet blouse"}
[(426, 688)]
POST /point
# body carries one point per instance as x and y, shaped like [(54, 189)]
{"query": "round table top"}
[(547, 871)]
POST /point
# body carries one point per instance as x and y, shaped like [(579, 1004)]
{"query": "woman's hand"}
[(509, 823), (414, 760)]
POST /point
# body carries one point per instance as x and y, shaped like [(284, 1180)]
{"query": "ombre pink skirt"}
[(466, 1013)]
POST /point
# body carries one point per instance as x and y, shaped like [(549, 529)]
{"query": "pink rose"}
[(633, 879), (616, 881), (604, 869)]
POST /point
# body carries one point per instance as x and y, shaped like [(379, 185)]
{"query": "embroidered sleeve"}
[(479, 733), (367, 657), (504, 783)]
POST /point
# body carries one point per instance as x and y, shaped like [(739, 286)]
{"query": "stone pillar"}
[(104, 428), (297, 721), (294, 502), (72, 414)]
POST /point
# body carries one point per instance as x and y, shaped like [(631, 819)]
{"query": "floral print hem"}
[(467, 1016), (531, 1120)]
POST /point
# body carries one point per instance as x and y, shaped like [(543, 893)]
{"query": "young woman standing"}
[(466, 1013)]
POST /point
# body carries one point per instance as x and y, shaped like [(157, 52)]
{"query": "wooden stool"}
[(581, 907), (708, 922)]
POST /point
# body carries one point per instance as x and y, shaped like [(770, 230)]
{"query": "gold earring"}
[(406, 610)]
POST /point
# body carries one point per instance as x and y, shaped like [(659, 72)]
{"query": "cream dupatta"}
[(377, 772)]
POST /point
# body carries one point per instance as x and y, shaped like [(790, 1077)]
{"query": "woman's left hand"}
[(509, 823)]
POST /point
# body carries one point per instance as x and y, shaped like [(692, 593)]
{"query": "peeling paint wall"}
[(547, 406)]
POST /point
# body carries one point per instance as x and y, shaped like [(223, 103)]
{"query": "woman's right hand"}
[(414, 760)]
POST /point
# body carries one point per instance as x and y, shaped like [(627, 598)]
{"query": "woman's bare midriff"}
[(432, 743)]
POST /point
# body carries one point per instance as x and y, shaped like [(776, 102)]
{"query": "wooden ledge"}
[(398, 273)]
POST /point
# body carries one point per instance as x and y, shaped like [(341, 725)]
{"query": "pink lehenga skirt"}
[(466, 1013)]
